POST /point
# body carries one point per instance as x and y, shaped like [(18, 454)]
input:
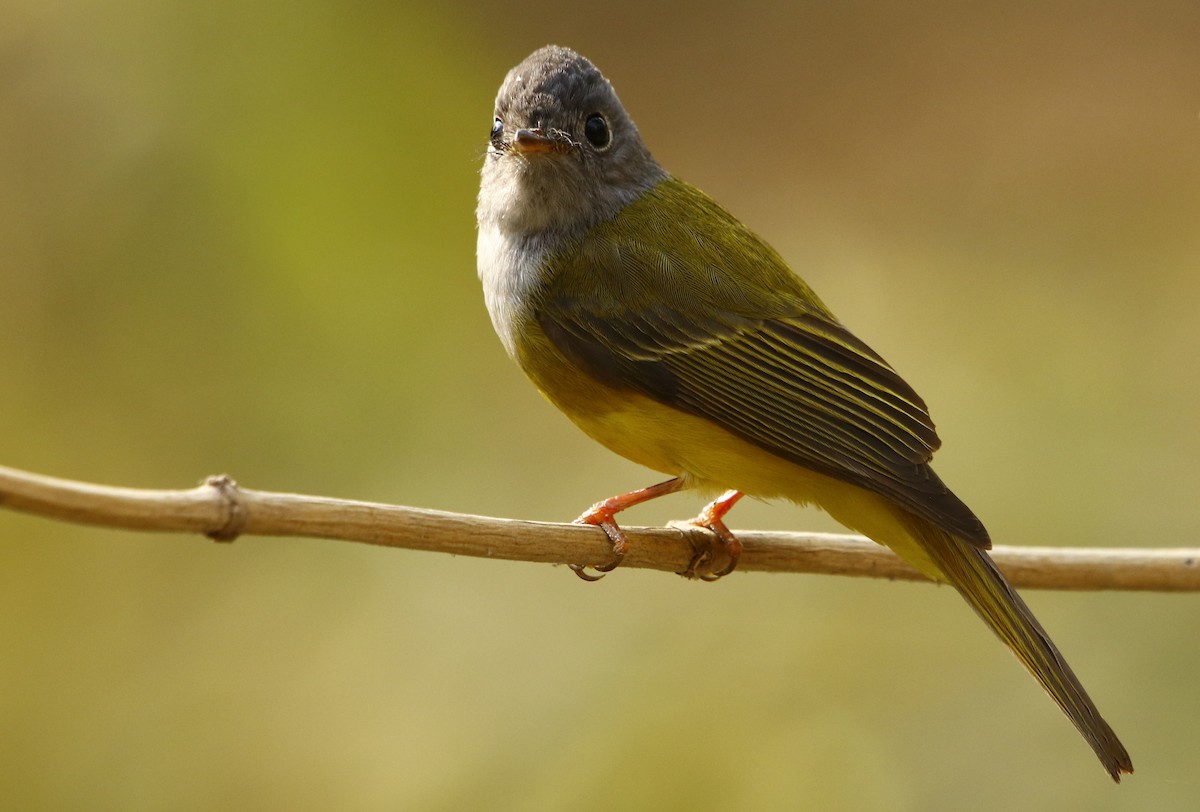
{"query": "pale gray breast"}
[(510, 267)]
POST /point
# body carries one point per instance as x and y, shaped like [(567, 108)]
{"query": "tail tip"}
[(1117, 764)]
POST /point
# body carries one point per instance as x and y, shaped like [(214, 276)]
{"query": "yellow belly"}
[(712, 459)]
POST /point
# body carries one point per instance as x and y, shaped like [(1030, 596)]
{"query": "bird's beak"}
[(528, 141)]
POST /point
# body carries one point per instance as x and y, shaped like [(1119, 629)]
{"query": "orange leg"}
[(602, 515), (712, 518)]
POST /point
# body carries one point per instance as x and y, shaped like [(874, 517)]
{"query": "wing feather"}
[(771, 365)]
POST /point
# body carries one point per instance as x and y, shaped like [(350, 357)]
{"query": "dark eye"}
[(596, 131), (497, 128)]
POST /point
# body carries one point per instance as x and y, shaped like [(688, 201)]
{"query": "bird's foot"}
[(712, 518), (603, 515), (603, 518)]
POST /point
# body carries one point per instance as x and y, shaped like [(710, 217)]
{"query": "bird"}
[(672, 334)]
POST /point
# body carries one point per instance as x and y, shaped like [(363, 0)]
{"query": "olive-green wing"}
[(774, 368)]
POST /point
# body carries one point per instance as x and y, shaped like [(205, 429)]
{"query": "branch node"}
[(235, 509)]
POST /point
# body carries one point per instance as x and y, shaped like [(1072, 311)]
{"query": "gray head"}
[(564, 154)]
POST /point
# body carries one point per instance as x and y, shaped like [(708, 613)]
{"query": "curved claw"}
[(735, 553), (703, 556), (581, 571), (711, 519), (616, 562), (698, 558), (620, 545), (733, 548)]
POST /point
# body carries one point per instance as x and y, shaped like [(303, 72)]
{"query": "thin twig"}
[(222, 510)]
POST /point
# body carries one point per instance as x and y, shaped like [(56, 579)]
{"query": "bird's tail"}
[(972, 572)]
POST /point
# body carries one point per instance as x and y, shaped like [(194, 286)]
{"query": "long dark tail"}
[(971, 571)]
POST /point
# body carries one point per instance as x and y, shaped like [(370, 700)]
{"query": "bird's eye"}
[(596, 131), (497, 127)]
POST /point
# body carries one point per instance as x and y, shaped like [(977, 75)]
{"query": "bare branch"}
[(222, 510)]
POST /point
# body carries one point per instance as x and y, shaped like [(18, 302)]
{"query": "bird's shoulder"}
[(675, 246)]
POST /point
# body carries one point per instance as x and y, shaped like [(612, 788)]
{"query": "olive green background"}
[(239, 237)]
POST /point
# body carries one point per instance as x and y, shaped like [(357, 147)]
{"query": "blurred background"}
[(239, 237)]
